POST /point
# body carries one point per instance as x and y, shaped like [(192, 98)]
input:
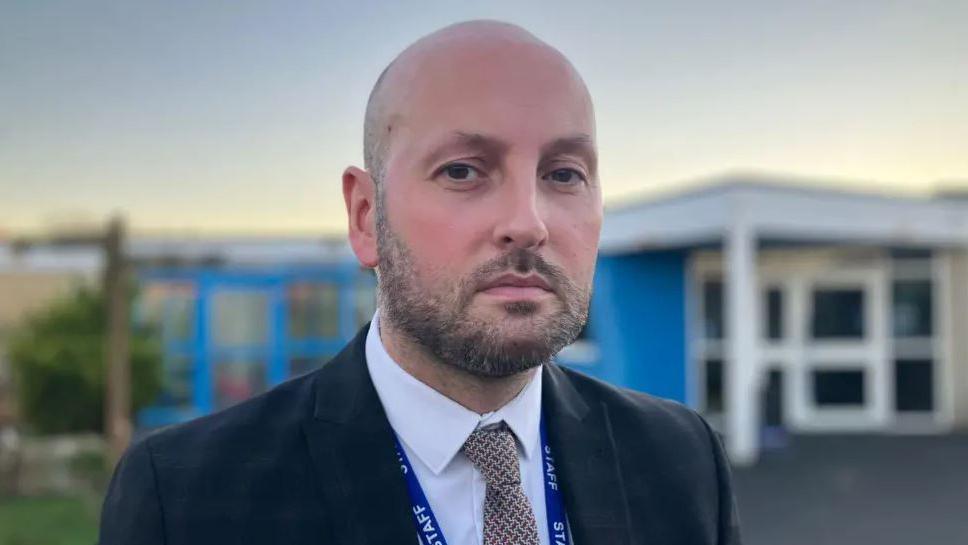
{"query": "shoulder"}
[(268, 426), (672, 463), (269, 420), (641, 415), (170, 482), (660, 445)]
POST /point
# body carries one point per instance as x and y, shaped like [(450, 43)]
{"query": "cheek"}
[(441, 241), (577, 241)]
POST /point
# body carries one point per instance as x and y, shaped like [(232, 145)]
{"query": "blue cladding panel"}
[(640, 322)]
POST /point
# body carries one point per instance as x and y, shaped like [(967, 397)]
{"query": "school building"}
[(766, 304)]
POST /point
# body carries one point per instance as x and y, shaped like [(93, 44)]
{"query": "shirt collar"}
[(436, 441)]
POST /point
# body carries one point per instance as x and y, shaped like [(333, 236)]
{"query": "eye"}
[(565, 176), (461, 172)]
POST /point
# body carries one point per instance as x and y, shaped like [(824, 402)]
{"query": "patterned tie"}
[(508, 517)]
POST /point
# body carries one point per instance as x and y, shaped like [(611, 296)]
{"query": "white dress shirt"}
[(432, 429)]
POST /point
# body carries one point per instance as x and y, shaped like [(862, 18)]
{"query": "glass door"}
[(842, 378)]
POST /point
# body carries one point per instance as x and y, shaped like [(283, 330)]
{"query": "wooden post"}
[(117, 399)]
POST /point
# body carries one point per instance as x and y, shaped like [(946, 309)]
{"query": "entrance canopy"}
[(783, 208)]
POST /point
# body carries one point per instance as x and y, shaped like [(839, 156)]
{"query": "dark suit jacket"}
[(312, 462)]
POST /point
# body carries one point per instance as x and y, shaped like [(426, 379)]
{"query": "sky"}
[(239, 117)]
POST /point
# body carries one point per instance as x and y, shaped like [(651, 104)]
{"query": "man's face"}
[(490, 209)]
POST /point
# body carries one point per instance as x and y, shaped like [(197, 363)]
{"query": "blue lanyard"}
[(429, 530)]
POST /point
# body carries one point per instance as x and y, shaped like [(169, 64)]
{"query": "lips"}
[(515, 281)]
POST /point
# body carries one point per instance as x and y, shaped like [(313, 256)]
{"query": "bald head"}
[(428, 62), (480, 147)]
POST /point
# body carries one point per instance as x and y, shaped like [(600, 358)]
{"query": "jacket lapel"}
[(584, 449), (351, 446)]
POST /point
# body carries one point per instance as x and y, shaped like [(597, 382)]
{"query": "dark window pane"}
[(838, 387), (714, 386), (237, 380), (837, 314), (912, 307), (772, 402), (774, 314), (712, 298), (914, 385), (313, 311), (910, 253)]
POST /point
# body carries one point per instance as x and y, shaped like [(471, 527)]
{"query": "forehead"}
[(525, 93)]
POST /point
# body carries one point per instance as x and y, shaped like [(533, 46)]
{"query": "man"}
[(444, 420)]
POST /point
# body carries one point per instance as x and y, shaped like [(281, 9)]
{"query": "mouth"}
[(511, 286)]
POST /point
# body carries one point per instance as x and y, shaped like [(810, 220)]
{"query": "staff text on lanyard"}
[(426, 522)]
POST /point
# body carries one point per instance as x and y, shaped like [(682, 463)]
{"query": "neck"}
[(474, 392)]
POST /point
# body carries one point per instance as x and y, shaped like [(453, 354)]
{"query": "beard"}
[(440, 319)]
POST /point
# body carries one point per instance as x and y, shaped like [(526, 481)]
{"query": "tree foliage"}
[(58, 359)]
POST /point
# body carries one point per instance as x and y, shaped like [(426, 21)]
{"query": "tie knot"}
[(494, 453)]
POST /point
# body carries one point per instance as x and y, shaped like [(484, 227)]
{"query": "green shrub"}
[(58, 360)]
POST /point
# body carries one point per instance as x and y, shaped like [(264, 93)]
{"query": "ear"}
[(359, 193)]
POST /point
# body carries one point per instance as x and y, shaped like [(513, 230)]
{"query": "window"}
[(772, 399), (238, 379), (837, 314), (838, 387), (910, 253), (178, 381), (774, 314), (712, 304), (914, 385), (715, 401), (169, 307), (912, 308), (240, 318), (313, 310)]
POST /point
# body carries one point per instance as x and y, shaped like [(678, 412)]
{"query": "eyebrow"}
[(487, 146), (581, 145)]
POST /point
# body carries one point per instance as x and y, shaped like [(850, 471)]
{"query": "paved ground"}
[(858, 490)]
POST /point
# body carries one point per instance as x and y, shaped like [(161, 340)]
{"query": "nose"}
[(520, 223)]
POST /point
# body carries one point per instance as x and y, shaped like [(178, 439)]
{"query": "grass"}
[(47, 521)]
